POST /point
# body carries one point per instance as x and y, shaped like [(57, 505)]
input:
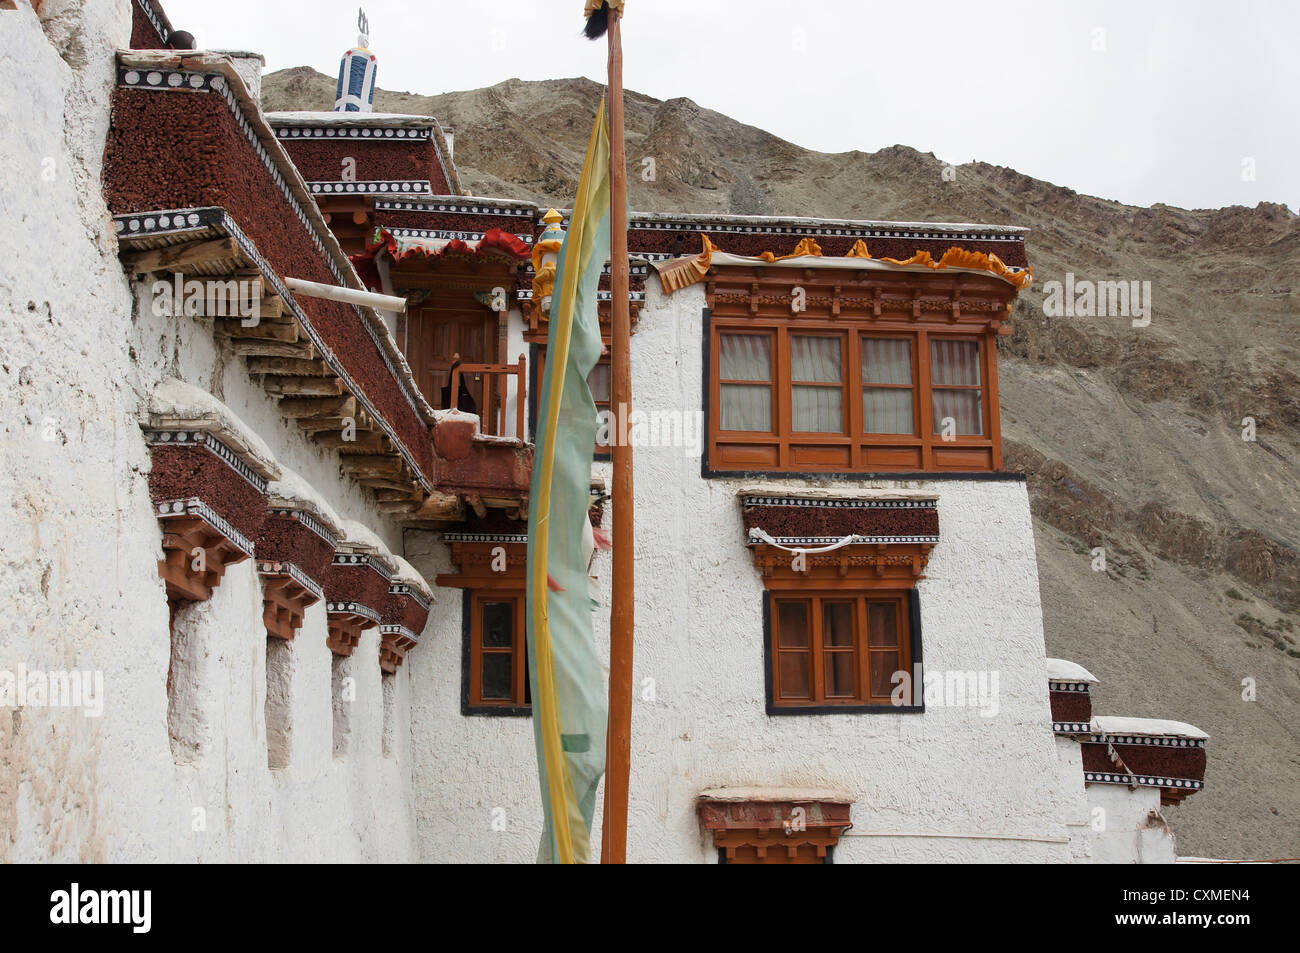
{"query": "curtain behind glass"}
[(816, 359), (887, 409), (956, 364), (746, 357)]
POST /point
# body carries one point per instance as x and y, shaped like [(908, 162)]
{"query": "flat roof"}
[(321, 117)]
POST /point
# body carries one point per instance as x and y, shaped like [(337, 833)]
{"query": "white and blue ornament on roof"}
[(356, 87)]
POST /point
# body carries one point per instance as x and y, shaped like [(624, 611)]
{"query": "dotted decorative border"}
[(170, 221), (1142, 780), (817, 231), (173, 509), (816, 503), (377, 186), (271, 568), (485, 537), (380, 133), (449, 236), (634, 270), (357, 560), (390, 628), (526, 294), (309, 521), (403, 589), (1056, 686), (1071, 727), (827, 540), (147, 9), (1160, 741), (470, 209), (352, 608), (203, 439)]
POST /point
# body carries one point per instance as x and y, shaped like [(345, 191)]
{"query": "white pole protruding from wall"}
[(366, 299)]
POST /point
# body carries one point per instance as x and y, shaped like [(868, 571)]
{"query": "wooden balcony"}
[(490, 386)]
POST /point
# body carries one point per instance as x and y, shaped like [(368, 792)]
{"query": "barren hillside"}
[(1132, 437)]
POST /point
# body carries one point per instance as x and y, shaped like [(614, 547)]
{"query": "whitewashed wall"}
[(992, 785), (78, 578), (1131, 829)]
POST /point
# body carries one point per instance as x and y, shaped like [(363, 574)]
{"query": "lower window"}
[(837, 648), (497, 660)]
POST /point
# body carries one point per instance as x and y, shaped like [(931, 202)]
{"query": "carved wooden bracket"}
[(196, 554), (286, 594), (395, 641), (780, 830), (346, 621), (853, 564)]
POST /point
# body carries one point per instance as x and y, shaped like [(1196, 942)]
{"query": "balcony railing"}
[(497, 396)]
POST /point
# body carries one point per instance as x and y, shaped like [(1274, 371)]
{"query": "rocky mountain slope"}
[(1131, 437)]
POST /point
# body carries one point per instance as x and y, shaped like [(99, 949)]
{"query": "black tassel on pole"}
[(597, 23)]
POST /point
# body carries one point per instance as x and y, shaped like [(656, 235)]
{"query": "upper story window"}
[(805, 395), (827, 370)]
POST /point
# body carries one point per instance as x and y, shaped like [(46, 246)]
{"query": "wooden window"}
[(817, 383), (956, 389), (888, 385), (600, 382), (746, 382), (802, 395), (837, 648), (498, 653)]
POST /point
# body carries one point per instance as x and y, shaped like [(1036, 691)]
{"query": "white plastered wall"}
[(80, 350), (1129, 827)]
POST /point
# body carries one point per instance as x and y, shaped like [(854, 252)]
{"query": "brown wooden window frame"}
[(862, 701), (473, 702), (537, 371), (855, 450)]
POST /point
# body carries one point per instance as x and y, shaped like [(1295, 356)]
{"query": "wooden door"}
[(435, 338)]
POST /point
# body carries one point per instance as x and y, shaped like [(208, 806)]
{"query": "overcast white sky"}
[(1144, 101)]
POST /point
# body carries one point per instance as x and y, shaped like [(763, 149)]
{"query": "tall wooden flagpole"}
[(618, 756)]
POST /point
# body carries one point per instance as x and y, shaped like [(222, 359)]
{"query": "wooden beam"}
[(302, 350), (176, 257), (382, 467), (366, 441), (272, 307), (408, 495), (379, 483), (440, 506), (327, 424), (303, 386), (262, 331), (288, 367), (331, 407)]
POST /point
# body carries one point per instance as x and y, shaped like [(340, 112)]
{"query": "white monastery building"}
[(263, 574)]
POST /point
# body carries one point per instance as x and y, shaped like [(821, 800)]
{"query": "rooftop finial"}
[(356, 86)]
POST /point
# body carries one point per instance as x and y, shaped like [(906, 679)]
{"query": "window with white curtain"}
[(887, 396), (956, 389), (817, 383), (745, 380), (846, 396)]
